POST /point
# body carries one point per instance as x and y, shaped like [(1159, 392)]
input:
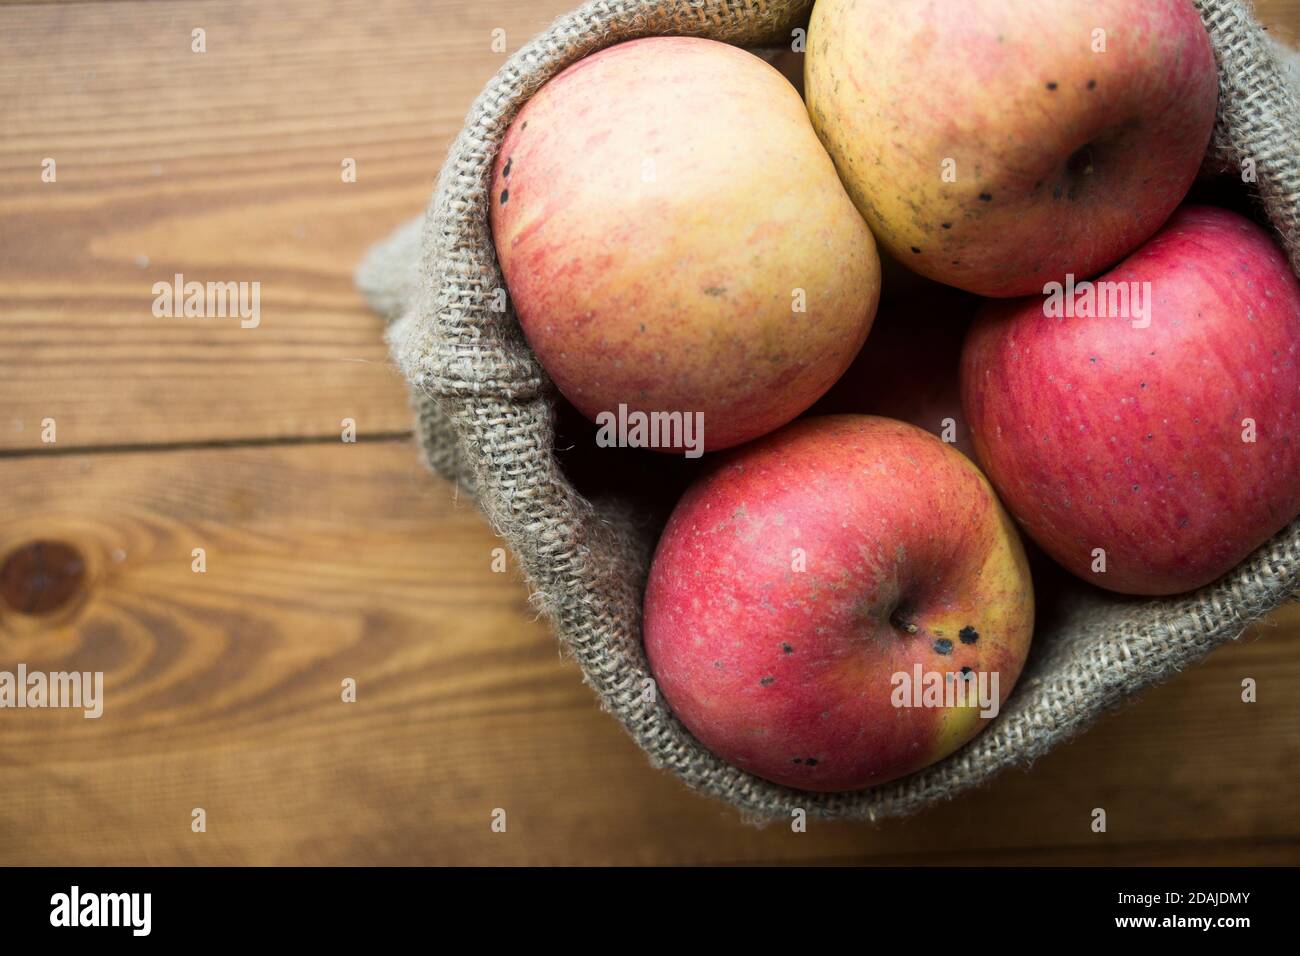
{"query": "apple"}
[(674, 239), (1148, 452), (805, 572), (910, 367), (996, 145)]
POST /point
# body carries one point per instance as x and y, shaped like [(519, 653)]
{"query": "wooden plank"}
[(327, 561), (1281, 18), (223, 166)]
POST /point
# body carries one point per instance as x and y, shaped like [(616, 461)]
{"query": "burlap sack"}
[(486, 418)]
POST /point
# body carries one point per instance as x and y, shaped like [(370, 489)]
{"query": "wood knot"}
[(41, 577)]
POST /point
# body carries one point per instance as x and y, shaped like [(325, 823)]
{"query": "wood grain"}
[(328, 560), (1281, 18), (220, 166)]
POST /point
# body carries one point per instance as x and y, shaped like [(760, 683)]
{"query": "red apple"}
[(675, 239), (796, 580), (1162, 442), (996, 145)]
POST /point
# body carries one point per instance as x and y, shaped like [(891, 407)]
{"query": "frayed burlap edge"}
[(485, 420)]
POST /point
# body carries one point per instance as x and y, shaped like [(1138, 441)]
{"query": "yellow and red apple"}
[(996, 145), (675, 238)]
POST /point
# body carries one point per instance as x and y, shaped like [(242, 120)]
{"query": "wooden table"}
[(328, 560)]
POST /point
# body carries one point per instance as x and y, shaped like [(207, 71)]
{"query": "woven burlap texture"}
[(485, 419)]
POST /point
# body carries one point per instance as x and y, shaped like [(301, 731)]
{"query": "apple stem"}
[(900, 621)]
